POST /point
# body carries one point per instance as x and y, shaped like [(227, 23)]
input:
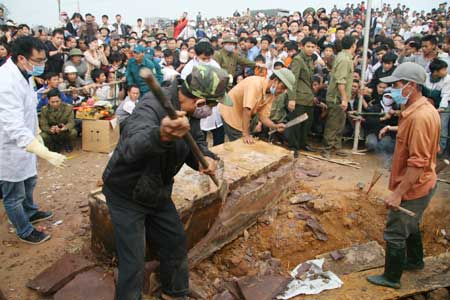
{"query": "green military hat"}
[(229, 39), (309, 10), (209, 83), (75, 52), (286, 76)]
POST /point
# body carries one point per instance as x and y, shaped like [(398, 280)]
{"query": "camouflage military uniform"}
[(50, 117), (342, 73)]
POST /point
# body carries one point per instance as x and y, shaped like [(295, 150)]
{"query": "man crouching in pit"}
[(138, 181)]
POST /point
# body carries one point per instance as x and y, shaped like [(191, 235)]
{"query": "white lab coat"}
[(214, 120), (18, 124)]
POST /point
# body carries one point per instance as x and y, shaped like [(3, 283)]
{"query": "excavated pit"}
[(262, 232)]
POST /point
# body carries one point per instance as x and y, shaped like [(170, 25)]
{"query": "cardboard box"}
[(100, 135)]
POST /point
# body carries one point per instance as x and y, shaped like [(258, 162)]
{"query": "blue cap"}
[(139, 49)]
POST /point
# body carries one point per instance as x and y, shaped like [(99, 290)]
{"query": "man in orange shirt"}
[(413, 176), (252, 97)]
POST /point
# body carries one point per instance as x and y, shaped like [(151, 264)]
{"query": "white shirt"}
[(214, 120), (139, 30), (125, 108), (18, 124), (442, 85), (102, 93)]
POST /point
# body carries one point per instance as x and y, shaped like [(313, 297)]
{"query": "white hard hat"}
[(70, 69)]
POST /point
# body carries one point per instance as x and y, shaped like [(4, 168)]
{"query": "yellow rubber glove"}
[(40, 140), (40, 150), (38, 134)]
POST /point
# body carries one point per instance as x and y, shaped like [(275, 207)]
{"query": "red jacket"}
[(180, 26)]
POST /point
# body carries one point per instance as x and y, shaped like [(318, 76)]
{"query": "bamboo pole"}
[(363, 71)]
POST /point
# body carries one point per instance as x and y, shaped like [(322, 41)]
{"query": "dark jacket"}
[(142, 168), (373, 123), (123, 28), (380, 73)]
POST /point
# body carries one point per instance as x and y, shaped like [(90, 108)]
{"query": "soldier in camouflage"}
[(57, 123), (139, 177)]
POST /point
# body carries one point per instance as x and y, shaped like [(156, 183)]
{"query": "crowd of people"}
[(239, 77), (101, 60)]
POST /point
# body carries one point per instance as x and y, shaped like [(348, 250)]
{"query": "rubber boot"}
[(414, 253), (393, 268)]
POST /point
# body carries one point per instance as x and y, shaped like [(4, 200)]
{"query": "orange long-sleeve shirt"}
[(417, 146)]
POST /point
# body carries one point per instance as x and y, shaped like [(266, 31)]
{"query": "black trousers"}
[(165, 230), (298, 134), (218, 135)]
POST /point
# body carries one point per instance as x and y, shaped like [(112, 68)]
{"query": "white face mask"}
[(204, 63), (229, 48)]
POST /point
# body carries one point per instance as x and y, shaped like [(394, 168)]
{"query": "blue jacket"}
[(133, 77), (42, 98)]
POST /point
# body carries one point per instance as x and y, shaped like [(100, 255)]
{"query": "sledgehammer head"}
[(145, 73)]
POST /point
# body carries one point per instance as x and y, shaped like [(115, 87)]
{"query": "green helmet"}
[(286, 76), (209, 83)]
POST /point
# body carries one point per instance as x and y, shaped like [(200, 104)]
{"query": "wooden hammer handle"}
[(150, 80), (406, 211)]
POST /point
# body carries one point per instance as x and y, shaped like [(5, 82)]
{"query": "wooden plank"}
[(435, 275), (355, 259), (241, 210)]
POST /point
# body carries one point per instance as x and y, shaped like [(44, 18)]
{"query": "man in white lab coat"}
[(20, 142), (203, 56)]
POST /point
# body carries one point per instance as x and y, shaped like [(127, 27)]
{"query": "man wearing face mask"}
[(138, 182), (252, 98), (376, 127), (229, 59), (20, 141), (413, 175), (209, 120)]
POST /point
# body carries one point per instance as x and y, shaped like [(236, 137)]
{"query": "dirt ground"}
[(345, 213)]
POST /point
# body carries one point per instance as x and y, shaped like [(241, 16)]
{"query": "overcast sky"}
[(45, 12)]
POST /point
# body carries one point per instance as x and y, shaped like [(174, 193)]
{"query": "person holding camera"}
[(57, 123), (94, 57), (55, 52)]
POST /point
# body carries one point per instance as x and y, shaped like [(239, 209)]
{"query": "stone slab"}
[(60, 273), (90, 285), (356, 258)]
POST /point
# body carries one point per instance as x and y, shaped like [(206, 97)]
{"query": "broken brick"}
[(59, 274), (262, 288), (317, 229), (305, 267), (90, 285), (336, 255), (226, 295)]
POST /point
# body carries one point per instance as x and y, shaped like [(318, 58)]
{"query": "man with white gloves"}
[(20, 141)]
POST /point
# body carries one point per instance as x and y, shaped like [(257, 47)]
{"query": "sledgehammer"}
[(147, 76)]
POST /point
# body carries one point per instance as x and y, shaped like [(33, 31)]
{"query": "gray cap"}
[(407, 71)]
